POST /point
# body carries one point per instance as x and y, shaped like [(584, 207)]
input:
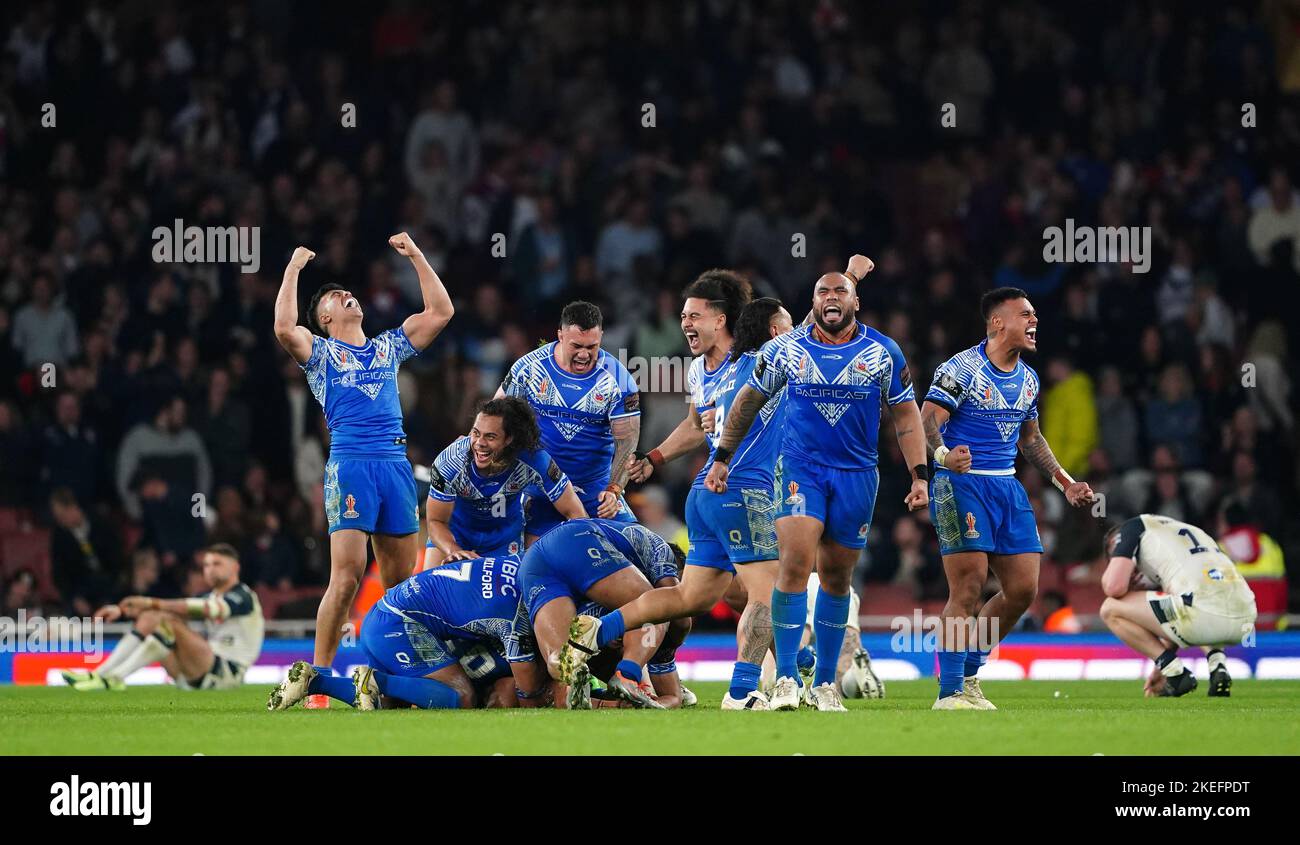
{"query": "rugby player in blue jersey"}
[(839, 375), (370, 490), (589, 411), (477, 483), (732, 535), (423, 639), (984, 401), (608, 563)]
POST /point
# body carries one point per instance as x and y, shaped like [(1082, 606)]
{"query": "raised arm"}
[(423, 327), (295, 339), (1033, 445)]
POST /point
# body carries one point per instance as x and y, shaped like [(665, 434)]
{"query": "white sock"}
[(1173, 669), (1216, 659), (150, 651), (124, 648)]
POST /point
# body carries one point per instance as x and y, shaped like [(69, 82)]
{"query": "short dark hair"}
[(582, 314), (312, 322), (753, 329), (519, 422), (726, 290), (996, 297), (63, 496), (223, 549)]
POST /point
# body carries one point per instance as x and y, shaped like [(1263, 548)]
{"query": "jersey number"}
[(461, 574), (1196, 548)]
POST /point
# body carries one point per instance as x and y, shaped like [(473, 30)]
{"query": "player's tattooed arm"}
[(626, 431), (1033, 445), (744, 410), (932, 419), (908, 428), (295, 339), (423, 327), (686, 437)]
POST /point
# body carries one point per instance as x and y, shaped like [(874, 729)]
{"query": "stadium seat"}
[(1086, 599), (11, 519), (888, 600), (29, 550)]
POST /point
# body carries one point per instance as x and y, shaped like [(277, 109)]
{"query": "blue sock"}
[(789, 615), (611, 628), (830, 615), (807, 658), (630, 670), (327, 683), (425, 693), (952, 665), (974, 660), (744, 679)]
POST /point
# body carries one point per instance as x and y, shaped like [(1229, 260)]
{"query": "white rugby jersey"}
[(1184, 560), (235, 627)]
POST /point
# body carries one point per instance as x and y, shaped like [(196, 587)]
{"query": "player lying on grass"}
[(414, 638), (216, 659), (1169, 586), (981, 409), (839, 377), (609, 563), (369, 488), (853, 673), (732, 536), (477, 484), (589, 411)]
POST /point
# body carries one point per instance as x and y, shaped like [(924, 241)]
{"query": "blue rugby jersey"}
[(754, 462), (986, 406), (357, 387), (834, 394)]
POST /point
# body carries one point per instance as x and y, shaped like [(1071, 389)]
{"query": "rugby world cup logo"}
[(351, 502), (971, 533), (795, 497)]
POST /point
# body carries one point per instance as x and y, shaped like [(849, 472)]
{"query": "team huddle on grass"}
[(539, 588)]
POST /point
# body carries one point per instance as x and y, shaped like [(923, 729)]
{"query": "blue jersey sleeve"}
[(628, 401), (399, 343), (769, 373), (949, 386), (513, 384), (315, 369), (900, 388), (446, 467), (551, 479), (1032, 412)]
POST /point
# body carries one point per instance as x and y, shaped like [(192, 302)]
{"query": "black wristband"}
[(921, 471), (721, 455)]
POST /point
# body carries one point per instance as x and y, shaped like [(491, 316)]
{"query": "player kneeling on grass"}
[(1169, 587), (231, 615), (853, 673), (608, 563), (421, 642)]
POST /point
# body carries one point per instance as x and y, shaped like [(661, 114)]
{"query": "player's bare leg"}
[(1132, 620), (1018, 576), (966, 573), (347, 568), (615, 590), (191, 657), (551, 629), (798, 538), (396, 555)]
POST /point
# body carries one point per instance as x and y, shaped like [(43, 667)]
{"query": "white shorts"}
[(1188, 625), (224, 674), (814, 583)]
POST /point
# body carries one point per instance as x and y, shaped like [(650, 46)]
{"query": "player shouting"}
[(477, 484), (839, 374), (369, 487), (589, 412), (984, 400)]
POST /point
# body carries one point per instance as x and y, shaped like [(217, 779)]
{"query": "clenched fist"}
[(403, 244), (300, 257)]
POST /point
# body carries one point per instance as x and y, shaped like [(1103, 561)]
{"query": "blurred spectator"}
[(1117, 420), (1058, 616), (43, 331), (653, 510), (1173, 418), (1276, 221), (166, 448), (1069, 414), (84, 554), (19, 593)]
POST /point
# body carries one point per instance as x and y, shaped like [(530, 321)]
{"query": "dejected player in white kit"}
[(1169, 586)]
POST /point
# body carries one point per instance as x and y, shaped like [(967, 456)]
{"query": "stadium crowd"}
[(545, 152)]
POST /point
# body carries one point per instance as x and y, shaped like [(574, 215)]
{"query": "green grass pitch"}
[(1087, 717)]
